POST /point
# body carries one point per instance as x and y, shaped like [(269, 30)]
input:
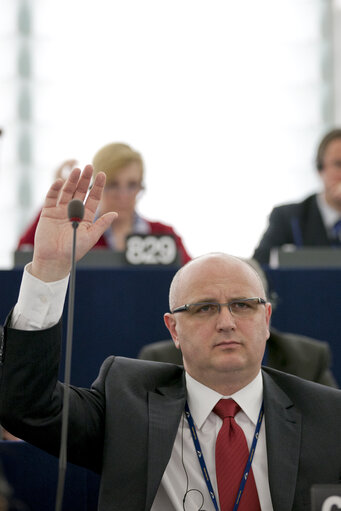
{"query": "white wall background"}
[(225, 100)]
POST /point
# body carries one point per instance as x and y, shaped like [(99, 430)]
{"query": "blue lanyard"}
[(203, 464)]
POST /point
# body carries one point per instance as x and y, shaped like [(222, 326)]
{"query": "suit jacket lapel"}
[(165, 408), (314, 231), (283, 433)]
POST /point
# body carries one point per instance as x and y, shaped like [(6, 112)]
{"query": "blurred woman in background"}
[(124, 169)]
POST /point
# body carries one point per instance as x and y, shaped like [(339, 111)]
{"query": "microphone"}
[(75, 214), (75, 211)]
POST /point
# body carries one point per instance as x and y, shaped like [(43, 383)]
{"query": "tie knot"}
[(226, 408)]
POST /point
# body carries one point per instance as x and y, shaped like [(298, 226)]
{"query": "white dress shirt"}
[(40, 305), (201, 401)]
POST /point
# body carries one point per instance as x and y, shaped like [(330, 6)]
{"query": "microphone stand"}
[(66, 401)]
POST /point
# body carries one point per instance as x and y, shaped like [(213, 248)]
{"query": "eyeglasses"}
[(129, 189), (333, 163), (244, 307)]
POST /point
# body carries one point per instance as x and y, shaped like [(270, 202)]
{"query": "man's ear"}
[(170, 323), (268, 312)]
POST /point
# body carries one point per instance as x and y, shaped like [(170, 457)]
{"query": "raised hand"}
[(53, 238)]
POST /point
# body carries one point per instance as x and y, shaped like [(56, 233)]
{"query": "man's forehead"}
[(224, 266), (219, 275)]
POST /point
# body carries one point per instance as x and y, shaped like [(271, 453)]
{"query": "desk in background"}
[(33, 475), (117, 311), (309, 303)]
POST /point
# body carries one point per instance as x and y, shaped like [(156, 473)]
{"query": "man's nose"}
[(225, 318)]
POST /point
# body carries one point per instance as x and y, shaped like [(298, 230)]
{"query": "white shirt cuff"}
[(40, 304)]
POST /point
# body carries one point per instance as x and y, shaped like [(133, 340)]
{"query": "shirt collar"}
[(202, 399), (329, 214)]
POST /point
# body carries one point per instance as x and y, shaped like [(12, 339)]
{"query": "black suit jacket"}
[(298, 224), (125, 425), (292, 353)]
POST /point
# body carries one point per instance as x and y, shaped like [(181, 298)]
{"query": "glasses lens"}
[(244, 307), (203, 308), (130, 189)]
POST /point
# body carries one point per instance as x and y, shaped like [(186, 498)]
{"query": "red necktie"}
[(231, 455)]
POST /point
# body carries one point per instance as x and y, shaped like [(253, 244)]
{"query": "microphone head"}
[(75, 210)]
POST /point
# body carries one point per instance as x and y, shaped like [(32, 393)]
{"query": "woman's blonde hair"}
[(113, 157)]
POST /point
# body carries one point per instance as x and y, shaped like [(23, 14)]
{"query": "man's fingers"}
[(95, 193), (76, 186), (105, 221), (94, 231), (83, 183), (53, 194)]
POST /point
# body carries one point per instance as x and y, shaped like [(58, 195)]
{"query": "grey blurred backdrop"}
[(225, 100)]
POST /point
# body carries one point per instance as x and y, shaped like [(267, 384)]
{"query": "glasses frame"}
[(130, 190), (185, 308)]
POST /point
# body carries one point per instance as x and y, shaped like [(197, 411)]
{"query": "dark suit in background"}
[(298, 224), (292, 353)]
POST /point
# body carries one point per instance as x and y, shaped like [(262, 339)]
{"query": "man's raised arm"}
[(41, 299)]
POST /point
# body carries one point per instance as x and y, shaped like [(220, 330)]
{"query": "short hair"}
[(326, 140), (113, 157)]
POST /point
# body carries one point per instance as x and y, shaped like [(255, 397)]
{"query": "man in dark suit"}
[(316, 221), (131, 426)]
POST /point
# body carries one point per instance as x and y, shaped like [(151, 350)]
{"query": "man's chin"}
[(230, 363)]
